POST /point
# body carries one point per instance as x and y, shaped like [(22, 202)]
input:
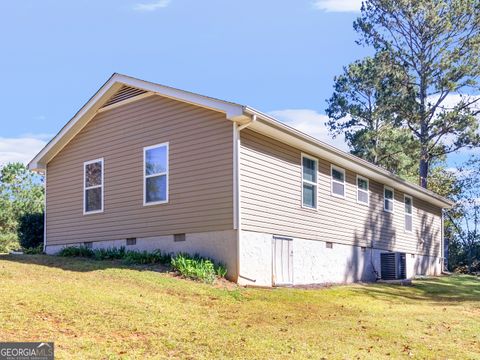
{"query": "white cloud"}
[(151, 6), (21, 149), (311, 123), (338, 5)]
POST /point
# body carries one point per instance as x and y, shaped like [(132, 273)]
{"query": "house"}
[(148, 167)]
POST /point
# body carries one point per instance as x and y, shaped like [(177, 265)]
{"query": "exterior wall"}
[(200, 177), (220, 246), (270, 188), (314, 263)]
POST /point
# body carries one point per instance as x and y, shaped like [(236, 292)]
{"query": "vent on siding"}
[(126, 92), (393, 266), (178, 237)]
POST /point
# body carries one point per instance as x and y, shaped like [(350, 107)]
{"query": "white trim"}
[(45, 214), (85, 212), (116, 81), (332, 180), (359, 177), (315, 184), (125, 102), (145, 176), (385, 187), (265, 124), (275, 129), (405, 213)]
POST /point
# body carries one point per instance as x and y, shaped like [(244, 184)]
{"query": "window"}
[(338, 181), (93, 186), (388, 199), (362, 190), (309, 182), (408, 213), (155, 174)]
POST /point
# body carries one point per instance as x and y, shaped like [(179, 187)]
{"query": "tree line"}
[(415, 100)]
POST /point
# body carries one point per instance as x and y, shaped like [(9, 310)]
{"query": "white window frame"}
[(145, 176), (405, 212), (85, 188), (392, 200), (332, 180), (315, 184), (362, 190)]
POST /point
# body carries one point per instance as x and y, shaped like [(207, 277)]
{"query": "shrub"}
[(144, 257), (8, 242), (30, 230), (76, 251), (197, 268), (34, 251), (129, 257)]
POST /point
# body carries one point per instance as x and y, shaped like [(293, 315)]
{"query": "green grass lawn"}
[(103, 310)]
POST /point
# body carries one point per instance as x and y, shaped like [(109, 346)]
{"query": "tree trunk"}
[(424, 165)]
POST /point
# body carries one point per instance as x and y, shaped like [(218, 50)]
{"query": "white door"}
[(282, 261)]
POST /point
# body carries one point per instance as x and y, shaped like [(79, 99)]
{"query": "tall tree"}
[(361, 108), (21, 192), (464, 245), (436, 44)]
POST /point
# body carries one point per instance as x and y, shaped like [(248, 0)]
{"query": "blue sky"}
[(278, 56)]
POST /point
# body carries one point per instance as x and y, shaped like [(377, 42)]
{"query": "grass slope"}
[(96, 310)]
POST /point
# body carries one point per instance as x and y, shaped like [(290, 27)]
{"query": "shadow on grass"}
[(446, 289), (80, 264)]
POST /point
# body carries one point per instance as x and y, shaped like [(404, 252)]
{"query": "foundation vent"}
[(179, 237), (88, 244), (131, 241), (126, 92)]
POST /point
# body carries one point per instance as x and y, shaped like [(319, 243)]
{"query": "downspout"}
[(237, 193)]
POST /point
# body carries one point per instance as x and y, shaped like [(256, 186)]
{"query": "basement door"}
[(282, 261)]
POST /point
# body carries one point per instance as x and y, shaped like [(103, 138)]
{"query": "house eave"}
[(273, 128), (113, 84)]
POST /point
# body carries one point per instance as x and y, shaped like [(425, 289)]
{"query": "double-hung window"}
[(309, 182), (93, 186), (388, 199), (155, 179), (338, 181), (362, 190), (408, 201)]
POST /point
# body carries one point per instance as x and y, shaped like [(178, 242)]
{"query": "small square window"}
[(329, 245)]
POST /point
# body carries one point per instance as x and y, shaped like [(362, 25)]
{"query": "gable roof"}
[(120, 89)]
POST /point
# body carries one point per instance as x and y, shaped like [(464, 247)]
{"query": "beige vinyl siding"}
[(271, 198), (200, 174)]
